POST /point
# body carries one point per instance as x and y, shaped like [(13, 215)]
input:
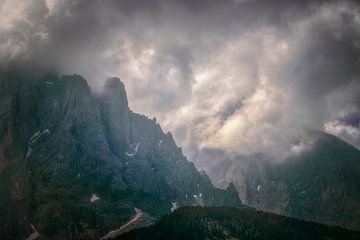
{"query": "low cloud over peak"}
[(239, 76)]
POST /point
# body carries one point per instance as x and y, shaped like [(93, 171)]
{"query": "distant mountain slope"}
[(320, 185), (229, 223), (75, 164)]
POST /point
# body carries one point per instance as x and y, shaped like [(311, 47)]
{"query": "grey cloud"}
[(352, 119), (325, 65), (239, 76)]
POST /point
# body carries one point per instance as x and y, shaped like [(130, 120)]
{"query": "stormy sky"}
[(227, 77)]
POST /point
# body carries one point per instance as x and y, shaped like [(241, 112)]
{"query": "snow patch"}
[(46, 131), (160, 143), (286, 203), (49, 83), (94, 198), (258, 188), (199, 200), (129, 154), (29, 151), (174, 206), (34, 137), (37, 135), (137, 147)]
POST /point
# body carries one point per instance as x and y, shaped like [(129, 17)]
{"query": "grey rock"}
[(60, 143), (318, 185)]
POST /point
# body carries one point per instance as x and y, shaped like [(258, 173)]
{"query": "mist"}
[(230, 77)]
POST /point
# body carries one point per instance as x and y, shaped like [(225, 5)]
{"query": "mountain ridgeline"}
[(74, 164), (320, 184)]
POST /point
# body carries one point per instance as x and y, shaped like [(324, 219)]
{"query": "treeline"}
[(230, 223)]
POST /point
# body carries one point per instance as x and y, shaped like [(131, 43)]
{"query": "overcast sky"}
[(239, 76)]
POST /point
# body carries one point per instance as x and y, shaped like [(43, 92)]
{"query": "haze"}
[(226, 77)]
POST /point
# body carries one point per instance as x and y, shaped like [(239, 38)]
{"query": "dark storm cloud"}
[(83, 27), (351, 120), (240, 76), (329, 57)]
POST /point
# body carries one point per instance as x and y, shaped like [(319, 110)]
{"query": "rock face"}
[(75, 164), (319, 185)]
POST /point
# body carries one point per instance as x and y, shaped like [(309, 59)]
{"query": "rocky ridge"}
[(319, 185), (75, 164)]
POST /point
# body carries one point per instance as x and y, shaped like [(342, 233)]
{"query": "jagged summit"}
[(60, 145), (114, 88), (74, 80), (320, 184), (116, 114)]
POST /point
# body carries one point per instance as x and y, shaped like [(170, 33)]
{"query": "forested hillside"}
[(232, 223)]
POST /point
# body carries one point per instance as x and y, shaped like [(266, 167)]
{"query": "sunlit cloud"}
[(239, 76)]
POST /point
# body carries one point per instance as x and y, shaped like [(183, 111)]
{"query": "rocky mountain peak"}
[(320, 184), (115, 113), (79, 158), (114, 90), (75, 81)]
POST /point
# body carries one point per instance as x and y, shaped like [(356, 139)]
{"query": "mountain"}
[(321, 184), (75, 164), (229, 223)]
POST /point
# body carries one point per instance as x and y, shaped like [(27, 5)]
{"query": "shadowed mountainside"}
[(75, 164), (321, 184)]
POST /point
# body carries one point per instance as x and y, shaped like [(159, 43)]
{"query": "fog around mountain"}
[(237, 77), (110, 110)]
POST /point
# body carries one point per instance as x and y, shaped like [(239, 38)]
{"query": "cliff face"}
[(75, 165), (320, 185)]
